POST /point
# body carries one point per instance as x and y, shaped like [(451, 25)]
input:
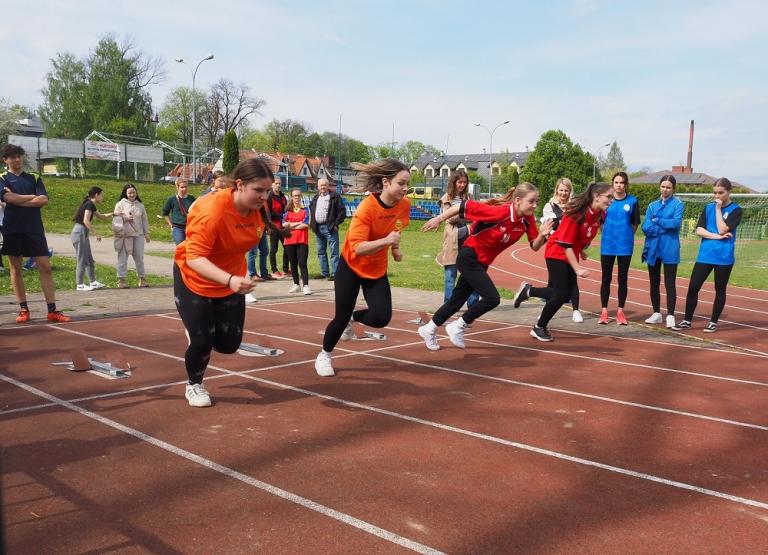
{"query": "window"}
[(444, 172)]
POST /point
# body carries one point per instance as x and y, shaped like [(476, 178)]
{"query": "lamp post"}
[(490, 158), (194, 109), (594, 162)]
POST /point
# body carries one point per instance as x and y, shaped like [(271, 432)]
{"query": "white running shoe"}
[(84, 287), (655, 318), (671, 321), (306, 290), (97, 285), (429, 337), (348, 332), (455, 332), (197, 395), (295, 288), (323, 365), (250, 298), (577, 317)]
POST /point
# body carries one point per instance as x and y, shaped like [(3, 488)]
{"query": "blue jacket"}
[(662, 231)]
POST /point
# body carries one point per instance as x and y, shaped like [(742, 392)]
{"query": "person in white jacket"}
[(131, 228)]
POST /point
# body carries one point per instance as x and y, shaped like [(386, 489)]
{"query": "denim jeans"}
[(178, 234), (326, 238), (451, 272), (263, 248)]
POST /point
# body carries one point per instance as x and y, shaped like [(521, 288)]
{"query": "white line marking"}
[(234, 474)]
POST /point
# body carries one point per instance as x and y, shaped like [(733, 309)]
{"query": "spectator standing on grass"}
[(2, 214), (454, 234), (326, 214), (296, 220), (717, 228), (553, 210), (617, 244), (131, 229), (662, 246), (209, 273), (23, 234), (80, 239), (374, 230), (176, 208), (580, 224), (498, 224), (276, 203)]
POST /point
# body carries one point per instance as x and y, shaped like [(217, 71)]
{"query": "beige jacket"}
[(447, 256)]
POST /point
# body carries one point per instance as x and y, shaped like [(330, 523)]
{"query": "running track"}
[(584, 445)]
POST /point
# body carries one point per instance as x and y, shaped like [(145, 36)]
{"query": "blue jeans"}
[(451, 271), (178, 234), (263, 248), (326, 238)]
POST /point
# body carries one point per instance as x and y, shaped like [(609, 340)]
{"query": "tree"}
[(231, 156), (411, 150), (613, 161), (555, 156), (9, 117), (227, 106), (176, 115), (64, 109), (287, 135)]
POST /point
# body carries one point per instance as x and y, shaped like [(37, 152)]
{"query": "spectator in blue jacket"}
[(662, 246)]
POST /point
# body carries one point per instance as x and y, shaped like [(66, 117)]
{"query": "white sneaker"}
[(97, 285), (197, 395), (348, 332), (455, 332), (250, 298), (323, 365), (295, 288), (671, 321), (577, 317), (655, 318), (429, 337), (306, 290), (84, 287)]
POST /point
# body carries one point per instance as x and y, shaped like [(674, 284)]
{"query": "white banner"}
[(97, 150)]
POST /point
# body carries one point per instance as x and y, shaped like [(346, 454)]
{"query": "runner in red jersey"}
[(498, 224)]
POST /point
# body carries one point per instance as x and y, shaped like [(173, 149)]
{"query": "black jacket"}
[(336, 213)]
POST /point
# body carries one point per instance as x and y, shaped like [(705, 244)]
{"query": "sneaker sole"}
[(323, 373), (544, 339), (516, 302)]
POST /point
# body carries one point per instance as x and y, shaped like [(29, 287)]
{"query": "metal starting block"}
[(117, 367), (361, 333), (266, 349), (420, 320)]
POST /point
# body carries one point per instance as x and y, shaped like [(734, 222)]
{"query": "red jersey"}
[(495, 228), (571, 234), (298, 236)]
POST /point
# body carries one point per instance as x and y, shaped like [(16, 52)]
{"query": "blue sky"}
[(633, 72)]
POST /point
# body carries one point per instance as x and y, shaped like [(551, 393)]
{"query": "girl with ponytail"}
[(83, 219)]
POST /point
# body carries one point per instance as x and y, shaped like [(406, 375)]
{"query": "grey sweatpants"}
[(85, 264), (138, 257)]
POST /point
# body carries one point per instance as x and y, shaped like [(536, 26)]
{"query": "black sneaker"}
[(684, 325), (711, 327), (522, 294), (541, 334), (330, 278)]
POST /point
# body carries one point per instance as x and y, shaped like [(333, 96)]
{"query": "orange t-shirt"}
[(373, 221), (216, 231)]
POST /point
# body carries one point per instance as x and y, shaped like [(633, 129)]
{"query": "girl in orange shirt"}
[(209, 274), (375, 227)]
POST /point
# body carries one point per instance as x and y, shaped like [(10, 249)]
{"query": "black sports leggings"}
[(699, 275), (473, 277), (562, 280), (347, 285), (212, 323), (297, 257), (670, 274), (606, 263)]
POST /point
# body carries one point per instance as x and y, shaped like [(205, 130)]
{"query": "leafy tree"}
[(410, 151), (176, 115), (231, 155), (9, 116), (478, 180), (612, 162), (227, 106), (287, 135), (555, 156), (314, 145), (64, 109)]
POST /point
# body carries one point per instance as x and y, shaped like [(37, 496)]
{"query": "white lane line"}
[(231, 473)]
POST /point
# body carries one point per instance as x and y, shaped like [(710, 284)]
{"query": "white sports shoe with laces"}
[(455, 331), (429, 337), (197, 395), (323, 365)]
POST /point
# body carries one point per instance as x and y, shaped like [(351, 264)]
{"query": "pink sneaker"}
[(621, 319), (603, 316)]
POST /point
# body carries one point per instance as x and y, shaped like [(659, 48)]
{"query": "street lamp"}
[(194, 109), (490, 159), (594, 162)]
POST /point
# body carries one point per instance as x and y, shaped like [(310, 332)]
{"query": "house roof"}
[(472, 161), (696, 178)]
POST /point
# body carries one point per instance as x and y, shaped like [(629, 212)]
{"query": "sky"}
[(632, 72)]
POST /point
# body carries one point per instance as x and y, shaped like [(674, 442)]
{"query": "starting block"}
[(266, 349), (117, 367), (361, 333), (420, 320)]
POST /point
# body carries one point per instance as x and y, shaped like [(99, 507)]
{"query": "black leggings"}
[(699, 275), (670, 274), (473, 277), (606, 263), (276, 238), (347, 285), (562, 280), (212, 323), (297, 257)]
